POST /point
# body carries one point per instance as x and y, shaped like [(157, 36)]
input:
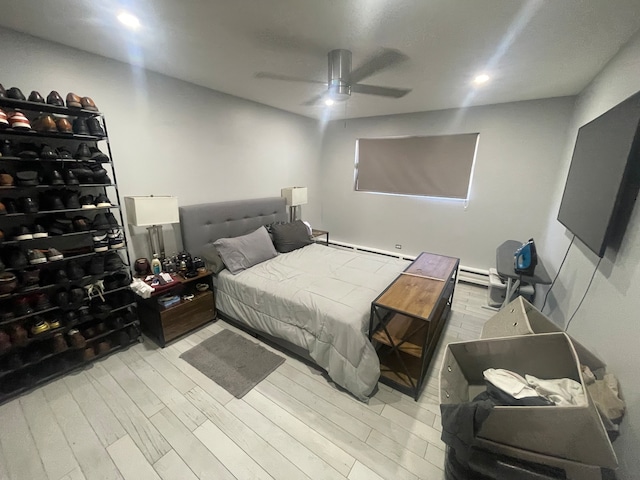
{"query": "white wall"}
[(520, 147), (169, 137), (608, 320)]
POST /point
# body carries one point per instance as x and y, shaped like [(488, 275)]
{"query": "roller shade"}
[(435, 166)]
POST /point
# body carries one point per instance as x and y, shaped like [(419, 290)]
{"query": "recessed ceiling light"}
[(480, 79), (328, 102), (129, 20)]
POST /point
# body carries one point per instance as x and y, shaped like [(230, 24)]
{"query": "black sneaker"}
[(112, 220), (87, 201), (76, 298), (22, 233), (123, 279), (63, 153), (28, 151), (98, 156), (116, 238), (83, 315), (113, 262), (21, 307), (96, 265), (83, 152), (110, 283), (80, 126), (83, 173), (100, 222), (17, 259), (47, 153), (81, 224), (41, 302), (71, 200), (99, 174), (100, 310), (27, 205), (6, 148), (70, 178), (36, 257), (94, 127), (100, 241), (15, 93), (102, 201), (54, 178), (10, 205), (60, 276), (61, 299), (30, 277), (74, 271), (51, 200), (39, 231), (60, 226), (27, 178)]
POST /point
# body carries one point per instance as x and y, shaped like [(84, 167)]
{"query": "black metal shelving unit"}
[(31, 362)]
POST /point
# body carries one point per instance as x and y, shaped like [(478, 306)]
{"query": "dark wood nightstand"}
[(166, 324), (319, 233)]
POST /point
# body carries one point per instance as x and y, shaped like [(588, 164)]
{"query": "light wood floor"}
[(146, 414)]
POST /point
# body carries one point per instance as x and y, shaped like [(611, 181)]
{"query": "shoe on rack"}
[(104, 347), (54, 177), (64, 153), (4, 122), (36, 257), (88, 354), (50, 200), (116, 238), (15, 93), (102, 201), (28, 151), (73, 100), (3, 209), (64, 126), (113, 262), (30, 277), (55, 99), (87, 201), (6, 148), (3, 92), (80, 126), (53, 255), (59, 343), (81, 224), (27, 205), (45, 123), (17, 259), (18, 335), (88, 104), (6, 180), (72, 318), (21, 307), (60, 276), (101, 310), (100, 222), (40, 326), (39, 231), (96, 265), (76, 298), (111, 220), (100, 241), (61, 298), (60, 226), (55, 322), (74, 271), (70, 178), (22, 232), (99, 174), (10, 205), (76, 339), (35, 97), (41, 302), (83, 152), (5, 342), (27, 178), (123, 279), (70, 199), (18, 121), (95, 128), (48, 153), (97, 155)]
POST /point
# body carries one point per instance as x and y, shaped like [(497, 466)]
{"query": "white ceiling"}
[(531, 48)]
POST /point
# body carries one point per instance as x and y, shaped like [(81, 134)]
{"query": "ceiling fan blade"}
[(381, 91), (287, 78), (381, 60), (314, 100)]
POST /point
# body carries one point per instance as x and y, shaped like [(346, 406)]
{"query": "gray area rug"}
[(233, 362)]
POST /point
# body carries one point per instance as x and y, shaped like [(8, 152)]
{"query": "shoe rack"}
[(58, 314)]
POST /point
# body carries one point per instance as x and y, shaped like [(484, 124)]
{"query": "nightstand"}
[(166, 324), (319, 233)]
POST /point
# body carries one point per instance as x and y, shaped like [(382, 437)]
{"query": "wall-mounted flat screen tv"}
[(605, 158)]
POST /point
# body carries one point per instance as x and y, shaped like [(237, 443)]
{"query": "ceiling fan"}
[(342, 81)]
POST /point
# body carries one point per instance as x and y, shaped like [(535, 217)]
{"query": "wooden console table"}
[(407, 319)]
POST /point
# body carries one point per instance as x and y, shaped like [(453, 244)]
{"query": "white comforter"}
[(318, 298)]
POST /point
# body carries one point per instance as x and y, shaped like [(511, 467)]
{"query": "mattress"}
[(318, 298)]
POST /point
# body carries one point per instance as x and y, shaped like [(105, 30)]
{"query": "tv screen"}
[(602, 160)]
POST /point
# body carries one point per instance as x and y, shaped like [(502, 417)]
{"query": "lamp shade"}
[(147, 211), (294, 195)]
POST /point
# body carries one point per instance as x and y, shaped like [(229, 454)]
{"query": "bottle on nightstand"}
[(156, 266)]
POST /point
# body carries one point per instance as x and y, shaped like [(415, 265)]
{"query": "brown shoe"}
[(104, 347), (6, 180), (5, 342), (64, 126), (88, 104), (88, 353), (45, 123), (19, 335), (54, 98), (75, 339), (73, 100), (59, 343)]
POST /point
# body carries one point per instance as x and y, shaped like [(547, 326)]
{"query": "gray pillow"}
[(288, 237), (212, 258), (240, 253)]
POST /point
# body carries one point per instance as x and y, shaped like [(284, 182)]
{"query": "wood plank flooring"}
[(146, 414)]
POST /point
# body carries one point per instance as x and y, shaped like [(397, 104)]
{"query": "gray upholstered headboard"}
[(205, 223)]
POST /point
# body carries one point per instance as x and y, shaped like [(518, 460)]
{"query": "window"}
[(435, 166)]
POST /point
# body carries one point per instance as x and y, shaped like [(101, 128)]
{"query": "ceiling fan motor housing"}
[(339, 71)]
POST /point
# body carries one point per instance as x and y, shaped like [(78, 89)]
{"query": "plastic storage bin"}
[(575, 434)]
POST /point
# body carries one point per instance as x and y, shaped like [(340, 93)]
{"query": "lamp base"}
[(156, 241)]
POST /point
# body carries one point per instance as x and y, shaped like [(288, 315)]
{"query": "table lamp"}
[(295, 196), (152, 212)]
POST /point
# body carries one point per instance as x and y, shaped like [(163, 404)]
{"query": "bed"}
[(314, 301)]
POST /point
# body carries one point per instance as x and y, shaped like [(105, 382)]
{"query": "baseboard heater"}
[(477, 276)]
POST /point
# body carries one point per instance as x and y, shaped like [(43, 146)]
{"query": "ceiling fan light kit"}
[(338, 76)]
